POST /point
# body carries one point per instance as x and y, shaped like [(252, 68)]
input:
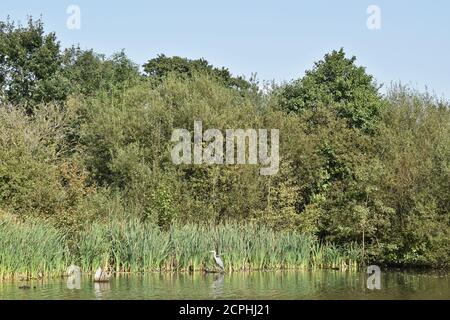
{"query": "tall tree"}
[(336, 82), (90, 72), (30, 64)]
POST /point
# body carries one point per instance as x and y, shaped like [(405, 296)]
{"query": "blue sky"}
[(277, 39)]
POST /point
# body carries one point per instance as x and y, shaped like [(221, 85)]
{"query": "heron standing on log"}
[(218, 260)]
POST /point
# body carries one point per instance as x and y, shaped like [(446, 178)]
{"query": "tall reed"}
[(34, 249), (31, 249), (135, 247)]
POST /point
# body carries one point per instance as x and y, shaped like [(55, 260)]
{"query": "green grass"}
[(29, 250), (137, 247), (132, 246)]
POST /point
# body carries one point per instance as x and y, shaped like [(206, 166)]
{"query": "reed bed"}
[(31, 250), (133, 246)]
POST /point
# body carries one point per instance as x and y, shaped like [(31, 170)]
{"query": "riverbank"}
[(35, 249)]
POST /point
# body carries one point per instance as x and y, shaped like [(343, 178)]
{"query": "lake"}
[(325, 284)]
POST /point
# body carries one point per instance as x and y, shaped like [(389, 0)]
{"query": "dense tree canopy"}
[(161, 66), (89, 72), (336, 82), (34, 69), (30, 64), (357, 168)]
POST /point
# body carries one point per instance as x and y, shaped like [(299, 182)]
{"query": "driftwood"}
[(102, 275)]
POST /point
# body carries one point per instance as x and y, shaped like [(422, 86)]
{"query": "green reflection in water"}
[(324, 284)]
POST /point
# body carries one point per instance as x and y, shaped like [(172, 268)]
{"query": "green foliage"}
[(35, 249), (335, 182), (34, 70), (133, 246), (416, 180), (336, 82), (28, 167), (90, 73), (38, 174), (30, 64), (30, 249), (161, 66), (355, 167)]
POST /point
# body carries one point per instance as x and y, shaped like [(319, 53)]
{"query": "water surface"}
[(315, 285)]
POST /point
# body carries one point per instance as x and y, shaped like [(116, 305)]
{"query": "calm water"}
[(255, 285)]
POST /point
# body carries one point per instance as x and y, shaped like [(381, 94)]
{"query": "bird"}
[(25, 287), (102, 275), (218, 260)]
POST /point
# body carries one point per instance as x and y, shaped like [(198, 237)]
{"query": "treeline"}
[(85, 138)]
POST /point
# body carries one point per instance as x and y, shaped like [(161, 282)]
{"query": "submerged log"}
[(102, 275)]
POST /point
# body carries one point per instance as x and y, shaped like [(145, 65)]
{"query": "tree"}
[(90, 72), (30, 64), (161, 66), (336, 82)]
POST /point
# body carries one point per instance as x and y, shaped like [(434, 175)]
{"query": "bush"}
[(356, 167)]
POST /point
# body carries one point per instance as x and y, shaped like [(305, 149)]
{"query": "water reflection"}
[(101, 288), (325, 284), (217, 286), (74, 282)]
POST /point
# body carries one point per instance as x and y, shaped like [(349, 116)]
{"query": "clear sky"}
[(277, 39)]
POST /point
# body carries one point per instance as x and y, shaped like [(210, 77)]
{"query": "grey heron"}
[(218, 260)]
